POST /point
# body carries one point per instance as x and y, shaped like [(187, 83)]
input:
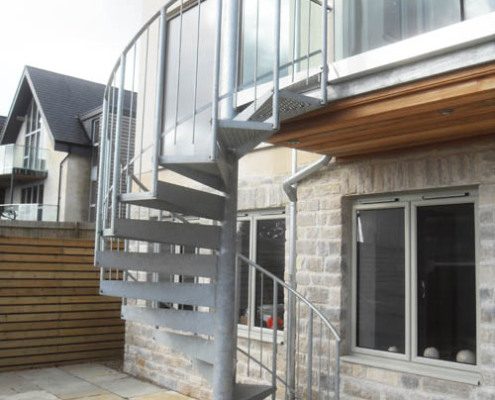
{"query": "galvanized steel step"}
[(201, 323), (179, 199), (204, 265), (196, 235), (193, 294), (207, 174)]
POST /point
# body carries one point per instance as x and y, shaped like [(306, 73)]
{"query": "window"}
[(414, 279), (32, 138), (262, 239), (368, 24)]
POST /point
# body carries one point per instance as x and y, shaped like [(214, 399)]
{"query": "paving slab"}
[(93, 372), (32, 395), (130, 387), (13, 382), (62, 384)]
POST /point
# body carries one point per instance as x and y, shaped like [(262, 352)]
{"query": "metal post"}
[(225, 327), (337, 370), (101, 166), (324, 51), (276, 67), (216, 78), (229, 57), (274, 339), (160, 99), (116, 154), (309, 365)]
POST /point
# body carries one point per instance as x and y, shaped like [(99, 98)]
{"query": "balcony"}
[(28, 212), (21, 164)]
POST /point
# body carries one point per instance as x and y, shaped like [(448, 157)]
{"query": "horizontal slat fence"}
[(50, 308)]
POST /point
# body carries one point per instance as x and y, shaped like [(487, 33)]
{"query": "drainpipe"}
[(290, 189), (59, 196)]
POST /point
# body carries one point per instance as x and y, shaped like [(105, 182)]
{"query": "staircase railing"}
[(312, 367)]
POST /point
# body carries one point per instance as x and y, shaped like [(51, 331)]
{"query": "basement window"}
[(414, 279)]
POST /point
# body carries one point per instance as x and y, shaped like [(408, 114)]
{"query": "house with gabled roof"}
[(47, 146)]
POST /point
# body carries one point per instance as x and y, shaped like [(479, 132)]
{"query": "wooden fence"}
[(50, 308)]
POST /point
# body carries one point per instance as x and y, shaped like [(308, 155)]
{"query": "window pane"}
[(381, 280), (369, 24), (270, 254), (474, 8), (446, 282)]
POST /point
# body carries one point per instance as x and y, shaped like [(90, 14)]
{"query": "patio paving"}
[(91, 381)]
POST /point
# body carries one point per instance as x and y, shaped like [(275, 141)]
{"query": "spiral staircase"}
[(175, 107)]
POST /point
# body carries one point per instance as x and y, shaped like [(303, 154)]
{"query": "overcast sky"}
[(82, 38)]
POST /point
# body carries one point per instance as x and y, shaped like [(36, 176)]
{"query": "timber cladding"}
[(50, 308)]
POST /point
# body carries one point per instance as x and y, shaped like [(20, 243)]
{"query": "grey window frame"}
[(411, 202)]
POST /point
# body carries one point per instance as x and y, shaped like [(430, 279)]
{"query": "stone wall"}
[(324, 248)]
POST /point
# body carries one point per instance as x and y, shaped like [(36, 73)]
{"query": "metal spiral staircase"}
[(176, 109)]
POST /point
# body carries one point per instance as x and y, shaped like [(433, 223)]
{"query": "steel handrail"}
[(294, 292)]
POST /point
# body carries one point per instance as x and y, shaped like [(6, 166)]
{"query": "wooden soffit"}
[(444, 108)]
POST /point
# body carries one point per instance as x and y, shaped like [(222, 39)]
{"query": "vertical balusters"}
[(309, 350), (337, 370), (319, 358)]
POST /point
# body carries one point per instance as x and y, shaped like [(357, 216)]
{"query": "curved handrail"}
[(294, 292)]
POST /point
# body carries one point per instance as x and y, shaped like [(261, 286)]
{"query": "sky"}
[(82, 38)]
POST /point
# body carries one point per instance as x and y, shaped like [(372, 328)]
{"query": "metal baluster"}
[(145, 89), (319, 358), (337, 370), (298, 363), (324, 51), (196, 68), (250, 319), (261, 321), (102, 149), (309, 41), (160, 98), (274, 343), (276, 68), (131, 118), (216, 77), (309, 366), (177, 89), (256, 54), (118, 129)]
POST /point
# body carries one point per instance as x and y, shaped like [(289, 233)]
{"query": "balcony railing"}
[(14, 157), (28, 212)]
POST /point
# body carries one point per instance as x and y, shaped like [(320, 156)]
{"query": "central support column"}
[(225, 322)]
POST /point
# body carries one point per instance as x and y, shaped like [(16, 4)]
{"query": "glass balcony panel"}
[(474, 8), (28, 212), (22, 157)]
